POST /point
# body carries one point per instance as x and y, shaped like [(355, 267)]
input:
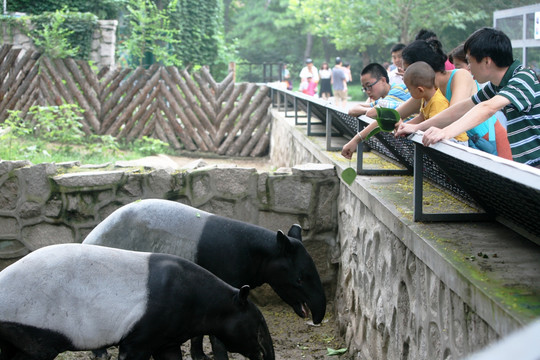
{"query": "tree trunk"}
[(309, 45)]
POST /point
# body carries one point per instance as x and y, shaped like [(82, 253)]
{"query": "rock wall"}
[(47, 204), (390, 305)]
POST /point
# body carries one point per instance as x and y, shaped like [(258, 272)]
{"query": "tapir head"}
[(245, 329), (293, 276)]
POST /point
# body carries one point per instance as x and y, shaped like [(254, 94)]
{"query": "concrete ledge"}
[(494, 270)]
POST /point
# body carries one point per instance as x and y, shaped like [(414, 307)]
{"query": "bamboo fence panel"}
[(191, 112)]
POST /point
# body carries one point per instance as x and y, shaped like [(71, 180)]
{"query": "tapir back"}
[(43, 282), (163, 227)]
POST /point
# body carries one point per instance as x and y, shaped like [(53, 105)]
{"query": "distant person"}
[(396, 73), (458, 58), (510, 86), (325, 83), (339, 84), (308, 71), (311, 87), (347, 68), (375, 83), (286, 77)]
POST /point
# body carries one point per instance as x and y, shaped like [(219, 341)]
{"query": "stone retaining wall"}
[(396, 297), (47, 204)]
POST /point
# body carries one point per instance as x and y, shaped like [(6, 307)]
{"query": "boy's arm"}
[(359, 110), (349, 148), (475, 116), (441, 120), (408, 108)]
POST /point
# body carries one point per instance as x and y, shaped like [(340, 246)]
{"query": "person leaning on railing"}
[(376, 84), (511, 86)]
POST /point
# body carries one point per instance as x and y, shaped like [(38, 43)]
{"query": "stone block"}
[(159, 183), (9, 194), (133, 186), (44, 234), (290, 193), (36, 181), (53, 208), (277, 221), (7, 166), (200, 187), (233, 182), (90, 179), (315, 170), (9, 226), (29, 210)]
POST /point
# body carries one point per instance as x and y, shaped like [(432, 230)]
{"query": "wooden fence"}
[(189, 111)]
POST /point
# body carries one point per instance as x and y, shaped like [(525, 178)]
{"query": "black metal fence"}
[(507, 191), (259, 73)]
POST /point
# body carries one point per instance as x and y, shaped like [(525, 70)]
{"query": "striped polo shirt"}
[(521, 87), (397, 95)]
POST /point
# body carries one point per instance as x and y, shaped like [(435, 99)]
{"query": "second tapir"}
[(237, 252)]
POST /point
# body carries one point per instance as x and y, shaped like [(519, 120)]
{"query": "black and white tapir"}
[(82, 297), (237, 252)]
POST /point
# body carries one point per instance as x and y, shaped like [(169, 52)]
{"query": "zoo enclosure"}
[(189, 111), (504, 190)]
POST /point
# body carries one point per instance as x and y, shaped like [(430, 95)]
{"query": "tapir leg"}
[(220, 352), (172, 352), (101, 354), (196, 349), (126, 352), (7, 351)]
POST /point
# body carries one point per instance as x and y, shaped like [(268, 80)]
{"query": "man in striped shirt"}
[(511, 87)]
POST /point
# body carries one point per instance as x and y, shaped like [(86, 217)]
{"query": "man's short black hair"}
[(397, 47), (376, 70), (492, 43)]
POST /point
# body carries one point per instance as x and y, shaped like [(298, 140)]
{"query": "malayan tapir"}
[(237, 252), (82, 297)]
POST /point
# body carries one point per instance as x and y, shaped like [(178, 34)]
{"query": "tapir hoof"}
[(100, 355)]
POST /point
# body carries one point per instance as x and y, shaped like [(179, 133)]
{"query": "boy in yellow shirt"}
[(420, 80)]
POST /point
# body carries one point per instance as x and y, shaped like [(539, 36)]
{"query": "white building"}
[(522, 25)]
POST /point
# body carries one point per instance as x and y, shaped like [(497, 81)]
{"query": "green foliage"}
[(103, 9), (152, 37), (373, 26), (149, 146), (268, 33), (60, 124), (199, 23), (57, 34), (55, 135)]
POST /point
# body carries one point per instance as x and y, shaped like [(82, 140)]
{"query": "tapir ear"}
[(243, 295), (284, 243), (296, 232)]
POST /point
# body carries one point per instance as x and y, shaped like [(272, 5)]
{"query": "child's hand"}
[(405, 129)]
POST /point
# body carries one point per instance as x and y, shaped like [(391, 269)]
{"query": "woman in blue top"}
[(455, 85)]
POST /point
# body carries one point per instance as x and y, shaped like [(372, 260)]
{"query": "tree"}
[(375, 25), (151, 33)]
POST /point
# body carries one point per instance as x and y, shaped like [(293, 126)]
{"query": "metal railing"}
[(506, 191)]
